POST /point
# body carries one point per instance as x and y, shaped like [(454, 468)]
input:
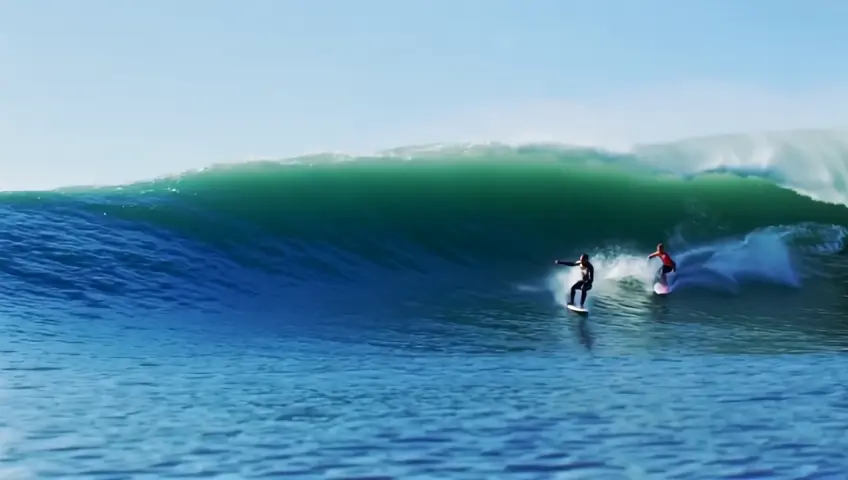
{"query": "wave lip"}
[(813, 163)]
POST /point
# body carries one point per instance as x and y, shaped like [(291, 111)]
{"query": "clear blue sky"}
[(106, 91)]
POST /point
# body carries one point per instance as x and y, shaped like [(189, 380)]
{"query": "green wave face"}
[(520, 204), (491, 208)]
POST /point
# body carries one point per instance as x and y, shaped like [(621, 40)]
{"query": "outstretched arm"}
[(653, 255), (566, 263)]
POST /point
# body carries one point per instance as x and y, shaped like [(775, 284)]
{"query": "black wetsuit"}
[(585, 283)]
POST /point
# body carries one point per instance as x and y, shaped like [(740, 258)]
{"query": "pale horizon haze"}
[(99, 91)]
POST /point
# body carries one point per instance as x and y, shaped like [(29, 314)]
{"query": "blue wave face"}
[(281, 235)]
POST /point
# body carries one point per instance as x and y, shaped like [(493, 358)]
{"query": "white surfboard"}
[(661, 289), (575, 308)]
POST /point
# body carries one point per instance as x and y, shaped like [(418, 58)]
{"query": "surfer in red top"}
[(668, 264)]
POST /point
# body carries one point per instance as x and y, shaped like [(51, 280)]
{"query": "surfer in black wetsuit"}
[(584, 284)]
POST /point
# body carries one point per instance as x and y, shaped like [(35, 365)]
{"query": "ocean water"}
[(400, 316)]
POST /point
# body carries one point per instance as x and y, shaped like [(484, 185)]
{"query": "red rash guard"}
[(666, 259)]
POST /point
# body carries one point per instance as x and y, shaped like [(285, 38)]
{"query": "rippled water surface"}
[(387, 318), (510, 397)]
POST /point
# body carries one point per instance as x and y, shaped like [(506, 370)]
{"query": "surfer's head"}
[(584, 258), (660, 247)]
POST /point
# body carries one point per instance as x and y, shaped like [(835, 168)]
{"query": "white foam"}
[(615, 274), (812, 163), (761, 256)]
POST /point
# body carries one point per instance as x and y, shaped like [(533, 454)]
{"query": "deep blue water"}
[(406, 320), (569, 400)]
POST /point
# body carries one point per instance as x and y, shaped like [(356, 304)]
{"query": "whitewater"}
[(399, 315)]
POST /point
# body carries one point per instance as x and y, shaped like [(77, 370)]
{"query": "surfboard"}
[(575, 308), (661, 289)]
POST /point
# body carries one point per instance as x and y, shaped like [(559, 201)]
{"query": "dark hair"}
[(585, 255)]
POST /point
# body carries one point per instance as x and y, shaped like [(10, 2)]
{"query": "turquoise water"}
[(401, 317)]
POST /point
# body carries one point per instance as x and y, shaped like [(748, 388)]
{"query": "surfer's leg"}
[(664, 271), (661, 275), (584, 288), (578, 284)]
